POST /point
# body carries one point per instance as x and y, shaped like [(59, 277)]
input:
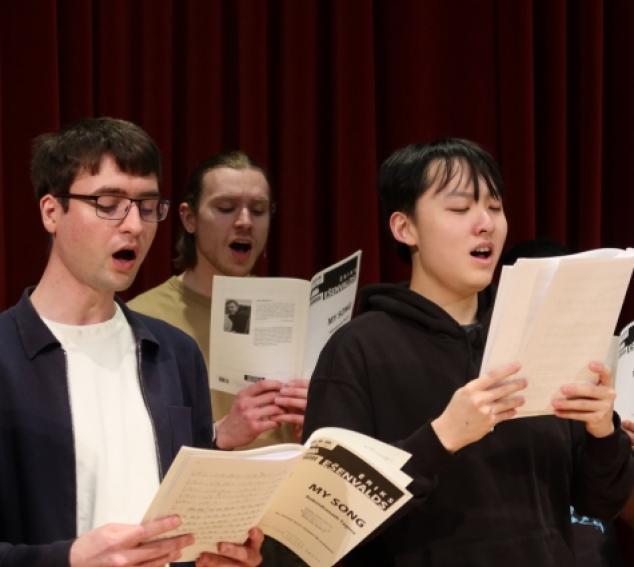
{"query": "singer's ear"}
[(188, 217)]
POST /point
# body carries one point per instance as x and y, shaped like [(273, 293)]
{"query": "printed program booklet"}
[(276, 327), (319, 499), (624, 374), (554, 316)]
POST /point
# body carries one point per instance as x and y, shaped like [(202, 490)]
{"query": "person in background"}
[(488, 489), (225, 218), (96, 400)]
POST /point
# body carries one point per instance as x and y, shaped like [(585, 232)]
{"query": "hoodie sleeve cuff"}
[(429, 456), (602, 450)]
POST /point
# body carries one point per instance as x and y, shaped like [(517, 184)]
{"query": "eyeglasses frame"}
[(95, 198)]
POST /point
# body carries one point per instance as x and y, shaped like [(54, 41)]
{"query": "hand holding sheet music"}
[(554, 316), (319, 499), (276, 327)]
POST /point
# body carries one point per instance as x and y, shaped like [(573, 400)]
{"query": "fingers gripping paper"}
[(554, 316)]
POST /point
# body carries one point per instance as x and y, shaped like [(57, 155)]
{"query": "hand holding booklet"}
[(319, 499), (276, 327), (554, 316)]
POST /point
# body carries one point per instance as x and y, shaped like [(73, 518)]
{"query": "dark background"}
[(320, 92)]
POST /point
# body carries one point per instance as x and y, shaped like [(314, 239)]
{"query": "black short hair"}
[(59, 156), (186, 244), (409, 172)]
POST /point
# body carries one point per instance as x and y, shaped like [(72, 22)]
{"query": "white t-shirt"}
[(115, 449)]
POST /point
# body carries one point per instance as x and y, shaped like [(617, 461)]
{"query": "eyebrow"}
[(116, 191), (228, 197), (485, 192), (456, 192)]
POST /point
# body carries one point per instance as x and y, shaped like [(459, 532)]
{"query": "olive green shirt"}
[(178, 305)]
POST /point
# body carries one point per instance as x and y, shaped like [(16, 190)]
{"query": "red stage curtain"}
[(321, 92)]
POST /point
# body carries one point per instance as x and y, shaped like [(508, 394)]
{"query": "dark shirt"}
[(37, 452)]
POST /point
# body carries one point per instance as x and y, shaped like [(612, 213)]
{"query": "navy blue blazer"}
[(37, 458)]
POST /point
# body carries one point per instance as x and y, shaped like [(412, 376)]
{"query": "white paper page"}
[(321, 442), (511, 315), (521, 290), (624, 374), (546, 270), (331, 501), (600, 253), (611, 359), (371, 449), (572, 327), (219, 497), (274, 343), (499, 310), (331, 303), (278, 452)]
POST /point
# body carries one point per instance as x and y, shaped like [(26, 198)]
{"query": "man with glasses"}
[(96, 400), (225, 215)]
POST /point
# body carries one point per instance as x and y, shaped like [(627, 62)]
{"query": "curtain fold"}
[(320, 92)]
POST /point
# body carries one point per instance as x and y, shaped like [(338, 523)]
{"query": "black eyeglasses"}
[(116, 207)]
